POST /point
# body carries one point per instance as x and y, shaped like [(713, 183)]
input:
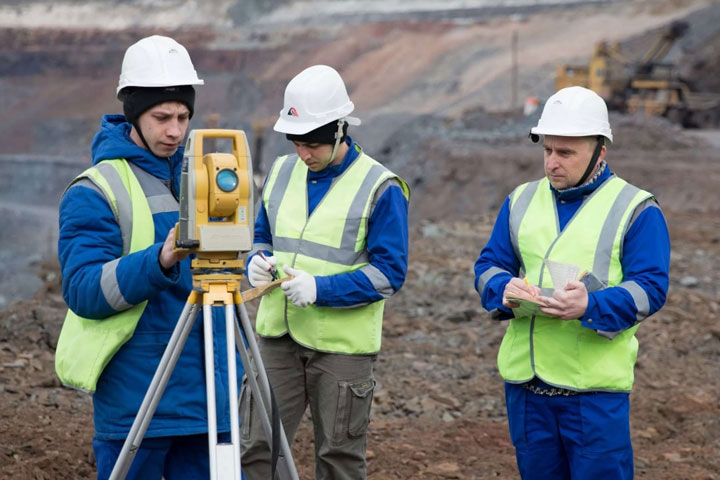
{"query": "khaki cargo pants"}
[(339, 390)]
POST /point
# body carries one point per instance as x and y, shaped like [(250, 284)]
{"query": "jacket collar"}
[(335, 170), (586, 189)]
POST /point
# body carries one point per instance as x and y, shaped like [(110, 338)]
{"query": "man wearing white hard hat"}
[(125, 287), (335, 220), (575, 262)]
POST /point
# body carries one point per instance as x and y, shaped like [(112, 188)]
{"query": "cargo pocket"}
[(353, 409)]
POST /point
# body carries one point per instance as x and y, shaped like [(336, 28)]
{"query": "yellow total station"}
[(216, 201)]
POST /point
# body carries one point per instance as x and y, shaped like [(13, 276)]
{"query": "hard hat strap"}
[(593, 160), (142, 137), (338, 137), (136, 125)]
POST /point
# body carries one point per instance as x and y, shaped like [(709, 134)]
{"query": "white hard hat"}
[(315, 97), (574, 112), (157, 61)]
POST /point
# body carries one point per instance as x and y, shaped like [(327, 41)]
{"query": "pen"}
[(272, 269), (528, 284)]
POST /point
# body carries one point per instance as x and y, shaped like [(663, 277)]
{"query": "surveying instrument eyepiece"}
[(216, 225)]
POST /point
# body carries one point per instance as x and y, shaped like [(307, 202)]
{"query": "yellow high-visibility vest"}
[(330, 241), (85, 346), (564, 353)]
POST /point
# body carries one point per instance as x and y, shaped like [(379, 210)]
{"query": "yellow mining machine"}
[(646, 85)]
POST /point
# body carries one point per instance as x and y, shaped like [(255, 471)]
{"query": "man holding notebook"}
[(575, 261)]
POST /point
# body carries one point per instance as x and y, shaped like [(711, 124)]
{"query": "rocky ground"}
[(438, 410)]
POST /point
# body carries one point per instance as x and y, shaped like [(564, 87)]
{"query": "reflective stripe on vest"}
[(85, 346), (564, 353), (330, 241)]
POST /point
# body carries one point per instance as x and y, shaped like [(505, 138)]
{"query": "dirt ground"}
[(438, 411)]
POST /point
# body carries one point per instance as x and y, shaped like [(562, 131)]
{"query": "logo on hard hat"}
[(292, 112)]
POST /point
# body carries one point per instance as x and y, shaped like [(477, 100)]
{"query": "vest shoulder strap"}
[(126, 198), (388, 174)]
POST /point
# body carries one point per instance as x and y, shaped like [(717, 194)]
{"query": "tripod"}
[(214, 287)]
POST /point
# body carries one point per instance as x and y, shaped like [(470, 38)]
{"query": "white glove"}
[(259, 270), (301, 290)]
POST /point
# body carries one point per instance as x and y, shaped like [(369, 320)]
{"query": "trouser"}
[(171, 458), (579, 437), (338, 389)]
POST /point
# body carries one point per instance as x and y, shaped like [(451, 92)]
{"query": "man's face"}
[(164, 127), (566, 159), (315, 155)]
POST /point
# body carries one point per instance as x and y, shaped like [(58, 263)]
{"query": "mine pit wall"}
[(30, 190)]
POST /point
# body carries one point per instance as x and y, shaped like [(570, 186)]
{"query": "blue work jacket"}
[(645, 260), (89, 237)]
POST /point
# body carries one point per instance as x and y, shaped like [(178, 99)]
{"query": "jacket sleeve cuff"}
[(592, 318), (324, 291)]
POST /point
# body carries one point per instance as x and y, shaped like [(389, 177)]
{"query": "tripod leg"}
[(250, 337), (224, 458), (233, 387), (210, 387), (251, 374), (154, 391), (288, 469)]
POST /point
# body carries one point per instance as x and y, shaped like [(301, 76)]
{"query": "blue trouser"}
[(579, 437), (181, 457)]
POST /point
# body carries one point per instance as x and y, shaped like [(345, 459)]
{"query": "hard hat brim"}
[(353, 121), (294, 128), (563, 133), (157, 85)]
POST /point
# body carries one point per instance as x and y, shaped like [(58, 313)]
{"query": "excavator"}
[(647, 85)]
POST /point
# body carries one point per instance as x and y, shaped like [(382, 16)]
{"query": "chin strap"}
[(338, 136), (593, 161), (142, 137)]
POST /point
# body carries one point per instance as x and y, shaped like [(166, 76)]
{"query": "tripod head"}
[(216, 203)]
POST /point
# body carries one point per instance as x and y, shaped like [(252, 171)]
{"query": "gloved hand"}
[(259, 270), (301, 290)]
